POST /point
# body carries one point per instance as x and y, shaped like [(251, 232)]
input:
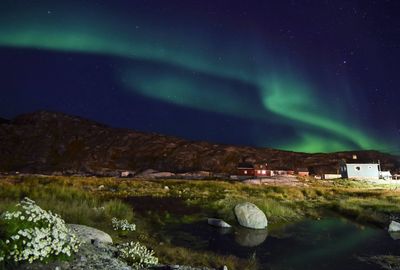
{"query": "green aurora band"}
[(283, 97)]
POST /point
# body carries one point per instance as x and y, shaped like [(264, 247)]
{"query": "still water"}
[(329, 243)]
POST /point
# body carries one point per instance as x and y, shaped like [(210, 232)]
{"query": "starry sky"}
[(309, 76)]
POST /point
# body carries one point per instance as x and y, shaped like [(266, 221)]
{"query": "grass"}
[(74, 204), (94, 201)]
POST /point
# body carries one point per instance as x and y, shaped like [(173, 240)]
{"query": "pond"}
[(329, 243)]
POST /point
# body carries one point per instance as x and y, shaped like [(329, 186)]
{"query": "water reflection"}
[(395, 235), (250, 238)]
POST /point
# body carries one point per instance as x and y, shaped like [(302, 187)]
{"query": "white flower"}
[(137, 255), (48, 237), (122, 225)]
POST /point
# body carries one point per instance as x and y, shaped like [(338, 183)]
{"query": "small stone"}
[(166, 188), (218, 223), (224, 267), (101, 187)]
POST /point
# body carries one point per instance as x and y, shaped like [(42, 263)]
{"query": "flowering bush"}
[(137, 255), (31, 233), (122, 225)]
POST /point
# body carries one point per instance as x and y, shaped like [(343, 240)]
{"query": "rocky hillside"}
[(47, 142)]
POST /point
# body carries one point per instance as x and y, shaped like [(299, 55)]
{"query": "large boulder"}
[(250, 216), (394, 226), (90, 235)]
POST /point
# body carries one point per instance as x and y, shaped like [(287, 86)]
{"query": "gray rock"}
[(161, 174), (90, 235), (250, 216), (89, 257), (394, 226), (218, 223), (146, 173)]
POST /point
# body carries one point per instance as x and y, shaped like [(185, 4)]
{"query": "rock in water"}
[(394, 226), (218, 223), (90, 235), (250, 216)]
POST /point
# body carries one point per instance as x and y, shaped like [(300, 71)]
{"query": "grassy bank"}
[(94, 201)]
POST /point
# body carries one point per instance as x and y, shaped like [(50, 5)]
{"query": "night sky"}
[(311, 76)]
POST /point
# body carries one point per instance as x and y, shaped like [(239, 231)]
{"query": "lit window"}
[(245, 172), (263, 171), (258, 171)]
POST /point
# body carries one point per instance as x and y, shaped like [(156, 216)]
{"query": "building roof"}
[(361, 163), (245, 165)]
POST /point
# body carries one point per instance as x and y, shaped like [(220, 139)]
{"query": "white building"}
[(360, 170), (386, 175), (371, 171)]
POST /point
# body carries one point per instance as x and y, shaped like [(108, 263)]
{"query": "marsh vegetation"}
[(170, 214)]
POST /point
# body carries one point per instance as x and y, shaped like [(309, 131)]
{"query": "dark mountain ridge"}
[(47, 142)]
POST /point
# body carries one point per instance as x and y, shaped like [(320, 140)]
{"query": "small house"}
[(386, 175), (260, 170), (245, 169), (303, 172), (125, 174), (360, 170), (281, 172)]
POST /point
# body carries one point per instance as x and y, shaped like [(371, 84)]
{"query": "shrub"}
[(30, 233), (122, 225), (137, 255)]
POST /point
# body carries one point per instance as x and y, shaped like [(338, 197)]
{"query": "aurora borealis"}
[(230, 73)]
